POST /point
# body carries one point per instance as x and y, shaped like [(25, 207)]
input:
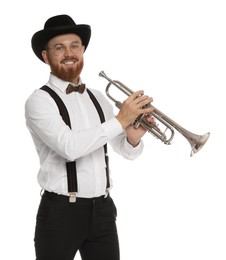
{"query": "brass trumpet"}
[(196, 141)]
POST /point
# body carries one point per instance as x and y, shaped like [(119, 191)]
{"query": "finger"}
[(136, 95), (147, 109), (151, 119), (143, 101)]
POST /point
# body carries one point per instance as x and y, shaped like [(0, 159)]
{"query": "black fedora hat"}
[(57, 25)]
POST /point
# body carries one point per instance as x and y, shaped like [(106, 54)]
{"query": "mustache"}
[(70, 58)]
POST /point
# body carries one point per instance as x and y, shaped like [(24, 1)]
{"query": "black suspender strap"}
[(62, 108), (102, 119), (71, 166)]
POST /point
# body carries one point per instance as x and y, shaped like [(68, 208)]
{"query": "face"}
[(64, 54)]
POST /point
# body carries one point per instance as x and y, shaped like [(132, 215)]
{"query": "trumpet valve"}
[(138, 120)]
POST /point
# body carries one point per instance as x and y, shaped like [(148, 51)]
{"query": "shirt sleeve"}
[(119, 142), (121, 146), (45, 123)]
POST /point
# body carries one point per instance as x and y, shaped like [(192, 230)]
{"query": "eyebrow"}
[(60, 43)]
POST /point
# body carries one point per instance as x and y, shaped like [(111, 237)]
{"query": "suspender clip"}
[(72, 197), (107, 193)]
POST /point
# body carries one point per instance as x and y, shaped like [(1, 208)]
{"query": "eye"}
[(59, 48), (75, 46)]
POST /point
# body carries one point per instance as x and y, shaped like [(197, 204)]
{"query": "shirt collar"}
[(61, 84)]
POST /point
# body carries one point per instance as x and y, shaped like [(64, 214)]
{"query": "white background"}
[(170, 206)]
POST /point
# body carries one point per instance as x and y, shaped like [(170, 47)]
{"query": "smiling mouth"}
[(69, 61)]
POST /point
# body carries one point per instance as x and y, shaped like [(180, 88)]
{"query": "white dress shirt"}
[(56, 143)]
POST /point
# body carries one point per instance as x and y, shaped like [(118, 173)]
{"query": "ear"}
[(83, 48), (45, 56)]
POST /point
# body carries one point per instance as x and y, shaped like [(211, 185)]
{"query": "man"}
[(76, 211)]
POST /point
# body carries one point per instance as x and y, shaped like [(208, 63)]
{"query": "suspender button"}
[(72, 197)]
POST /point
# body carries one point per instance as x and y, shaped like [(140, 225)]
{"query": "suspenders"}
[(71, 166), (102, 119)]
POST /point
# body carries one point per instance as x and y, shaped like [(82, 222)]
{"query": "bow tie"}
[(80, 88)]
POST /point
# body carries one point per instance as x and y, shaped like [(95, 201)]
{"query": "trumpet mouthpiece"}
[(102, 74)]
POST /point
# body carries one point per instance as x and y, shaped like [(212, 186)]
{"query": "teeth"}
[(69, 62)]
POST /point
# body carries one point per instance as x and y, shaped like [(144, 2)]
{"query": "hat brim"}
[(41, 38)]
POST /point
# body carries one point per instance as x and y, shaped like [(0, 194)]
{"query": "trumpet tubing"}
[(196, 141)]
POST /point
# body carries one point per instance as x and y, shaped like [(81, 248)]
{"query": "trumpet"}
[(196, 141)]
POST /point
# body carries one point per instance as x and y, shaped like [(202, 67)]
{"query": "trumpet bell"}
[(197, 142)]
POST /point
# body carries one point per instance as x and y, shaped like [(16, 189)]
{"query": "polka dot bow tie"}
[(80, 88)]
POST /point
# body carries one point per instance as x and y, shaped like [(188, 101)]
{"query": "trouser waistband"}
[(65, 199)]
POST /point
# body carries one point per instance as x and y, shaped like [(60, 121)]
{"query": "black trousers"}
[(63, 228)]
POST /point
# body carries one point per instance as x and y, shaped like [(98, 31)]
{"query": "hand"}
[(132, 107), (134, 135)]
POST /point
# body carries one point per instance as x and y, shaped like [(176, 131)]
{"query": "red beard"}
[(67, 74)]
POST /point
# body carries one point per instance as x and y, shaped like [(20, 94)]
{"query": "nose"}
[(67, 50)]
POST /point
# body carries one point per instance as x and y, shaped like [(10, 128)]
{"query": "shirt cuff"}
[(129, 147), (112, 128)]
